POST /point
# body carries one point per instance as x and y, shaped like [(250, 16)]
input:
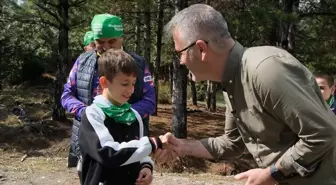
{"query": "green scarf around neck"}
[(331, 101), (121, 114)]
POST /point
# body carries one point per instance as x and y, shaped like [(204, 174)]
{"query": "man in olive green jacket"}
[(275, 108)]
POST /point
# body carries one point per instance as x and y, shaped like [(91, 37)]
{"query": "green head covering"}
[(88, 38), (106, 26)]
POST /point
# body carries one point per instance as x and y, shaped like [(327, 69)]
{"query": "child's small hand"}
[(145, 177)]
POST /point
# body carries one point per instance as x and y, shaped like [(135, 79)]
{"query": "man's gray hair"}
[(199, 22)]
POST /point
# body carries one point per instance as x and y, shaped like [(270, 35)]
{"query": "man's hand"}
[(145, 177), (257, 176), (171, 149)]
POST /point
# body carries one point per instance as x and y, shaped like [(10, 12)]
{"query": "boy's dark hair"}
[(329, 78), (114, 61)]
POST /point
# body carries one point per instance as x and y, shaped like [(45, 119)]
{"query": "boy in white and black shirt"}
[(112, 142)]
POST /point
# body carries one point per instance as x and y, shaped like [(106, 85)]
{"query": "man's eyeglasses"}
[(178, 53)]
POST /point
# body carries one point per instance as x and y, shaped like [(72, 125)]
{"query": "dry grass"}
[(12, 121)]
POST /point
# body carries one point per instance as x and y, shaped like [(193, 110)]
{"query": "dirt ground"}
[(33, 148), (53, 171)]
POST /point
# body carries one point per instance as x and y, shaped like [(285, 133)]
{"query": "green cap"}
[(106, 26), (88, 38)]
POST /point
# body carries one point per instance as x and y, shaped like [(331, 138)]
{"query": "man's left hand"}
[(257, 176)]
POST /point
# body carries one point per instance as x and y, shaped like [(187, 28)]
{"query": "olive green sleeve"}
[(230, 145)]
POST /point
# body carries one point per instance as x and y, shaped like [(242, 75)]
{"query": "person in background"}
[(327, 86), (83, 82), (89, 42)]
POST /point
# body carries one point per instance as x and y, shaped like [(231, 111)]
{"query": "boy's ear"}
[(333, 89), (103, 82)]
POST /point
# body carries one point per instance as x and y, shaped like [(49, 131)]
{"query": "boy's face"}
[(119, 90), (90, 47), (326, 89)]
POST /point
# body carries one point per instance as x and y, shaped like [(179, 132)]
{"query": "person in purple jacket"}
[(327, 86), (83, 83)]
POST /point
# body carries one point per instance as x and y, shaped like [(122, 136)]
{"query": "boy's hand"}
[(145, 177), (171, 149)]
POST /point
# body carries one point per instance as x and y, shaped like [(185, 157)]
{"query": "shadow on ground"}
[(32, 137)]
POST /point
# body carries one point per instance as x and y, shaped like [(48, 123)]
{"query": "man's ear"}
[(103, 82), (203, 47)]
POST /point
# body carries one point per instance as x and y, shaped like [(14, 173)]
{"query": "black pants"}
[(72, 159)]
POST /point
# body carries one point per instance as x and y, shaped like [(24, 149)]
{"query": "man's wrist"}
[(277, 166), (184, 148), (276, 174)]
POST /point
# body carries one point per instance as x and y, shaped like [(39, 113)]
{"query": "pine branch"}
[(311, 14), (48, 11), (77, 3)]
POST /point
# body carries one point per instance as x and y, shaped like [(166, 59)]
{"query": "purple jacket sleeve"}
[(69, 96), (146, 106)]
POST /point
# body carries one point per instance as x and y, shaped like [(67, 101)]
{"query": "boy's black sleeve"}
[(147, 162), (96, 141)]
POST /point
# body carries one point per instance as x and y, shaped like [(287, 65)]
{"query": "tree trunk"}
[(160, 4), (179, 98), (193, 92), (286, 28), (208, 95), (147, 20), (138, 31), (213, 97), (171, 75), (63, 44), (165, 73), (292, 27)]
